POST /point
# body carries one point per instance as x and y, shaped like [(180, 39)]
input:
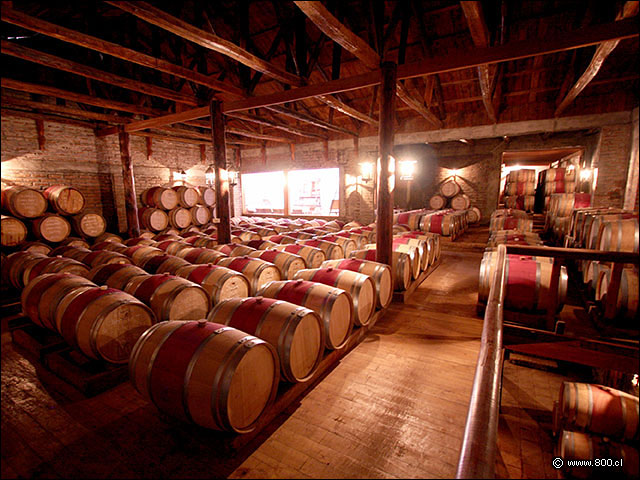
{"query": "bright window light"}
[(263, 192), (314, 192)]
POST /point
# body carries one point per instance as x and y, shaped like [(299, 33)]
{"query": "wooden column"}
[(40, 132), (130, 198), (220, 165), (385, 195)]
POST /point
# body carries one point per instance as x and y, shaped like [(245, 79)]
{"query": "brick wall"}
[(612, 161), (631, 192)]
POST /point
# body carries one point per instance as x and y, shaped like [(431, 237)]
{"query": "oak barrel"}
[(51, 227), (331, 249), (12, 231), (215, 376), (348, 245), (379, 273), (257, 271), (200, 215), (14, 264), (114, 275), (627, 302), (206, 196), (187, 196), (180, 217), (200, 255), (64, 199), (450, 188), (234, 249), (153, 219), (358, 285), (296, 332), (333, 305), (53, 265), (619, 235), (219, 282), (287, 263), (163, 264), (437, 202), (160, 197), (400, 266), (89, 224), (461, 202), (36, 247), (23, 202)]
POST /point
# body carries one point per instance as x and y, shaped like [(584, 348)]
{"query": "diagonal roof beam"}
[(274, 124), (456, 61), (630, 9), (159, 18), (71, 36), (339, 33), (480, 35), (303, 117), (51, 61)]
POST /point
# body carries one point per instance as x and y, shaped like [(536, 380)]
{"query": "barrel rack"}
[(403, 295)]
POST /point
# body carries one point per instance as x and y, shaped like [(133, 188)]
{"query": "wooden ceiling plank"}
[(480, 34), (309, 119), (47, 117), (274, 124), (339, 33), (71, 36), (259, 136), (512, 51), (629, 9), (22, 102), (159, 18), (58, 63)]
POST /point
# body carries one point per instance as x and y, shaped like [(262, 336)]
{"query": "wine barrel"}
[(599, 409), (75, 242), (379, 273), (313, 257), (219, 282), (450, 188), (200, 215), (12, 231), (153, 219), (351, 224), (108, 237), (170, 230), (170, 297), (130, 242), (53, 265), (335, 225), (511, 223), (160, 197), (522, 175), (104, 323), (520, 188), (200, 255), (424, 248), (474, 215), (163, 264), (296, 332), (560, 174), (359, 286), (179, 217), (89, 224), (332, 250), (102, 257), (114, 275), (76, 253), (459, 202), (14, 264), (64, 199), (234, 249), (172, 247), (161, 237), (257, 271), (348, 245), (410, 218), (592, 228), (141, 253), (520, 202), (559, 186), (432, 239), (619, 235), (190, 230), (580, 447), (287, 263), (41, 296), (627, 303), (23, 202), (204, 242), (202, 372), (280, 239), (206, 196), (400, 266), (442, 224), (438, 202), (509, 212), (111, 246), (187, 196), (591, 273), (36, 247), (51, 227), (333, 305), (527, 282), (259, 244)]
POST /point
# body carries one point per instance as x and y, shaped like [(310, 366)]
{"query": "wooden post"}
[(149, 142), (130, 198), (203, 154), (385, 198), (220, 165), (40, 132), (613, 290), (553, 292)]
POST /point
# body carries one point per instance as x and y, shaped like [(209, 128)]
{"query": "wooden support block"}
[(87, 375), (403, 296), (37, 340)]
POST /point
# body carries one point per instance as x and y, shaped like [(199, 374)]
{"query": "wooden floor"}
[(394, 407)]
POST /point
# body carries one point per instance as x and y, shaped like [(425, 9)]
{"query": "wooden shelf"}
[(403, 296)]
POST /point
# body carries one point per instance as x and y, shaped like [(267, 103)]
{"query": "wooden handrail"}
[(574, 253), (479, 444)]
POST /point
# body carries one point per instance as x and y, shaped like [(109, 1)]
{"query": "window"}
[(314, 192), (263, 192)]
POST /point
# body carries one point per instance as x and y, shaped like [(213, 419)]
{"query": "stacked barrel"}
[(451, 196), (552, 181), (527, 278), (558, 216), (519, 190), (176, 207), (449, 222), (40, 220), (597, 426)]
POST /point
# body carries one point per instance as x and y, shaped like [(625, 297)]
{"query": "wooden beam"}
[(339, 33), (384, 208), (480, 34), (159, 18), (149, 144), (346, 109), (167, 119), (455, 61), (630, 9), (130, 198), (220, 166), (40, 132), (67, 35), (259, 136), (51, 61), (309, 119), (274, 124), (49, 118)]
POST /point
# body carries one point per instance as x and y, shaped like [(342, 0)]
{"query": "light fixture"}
[(210, 175), (366, 171), (180, 176), (585, 174), (407, 169), (456, 172), (232, 175)]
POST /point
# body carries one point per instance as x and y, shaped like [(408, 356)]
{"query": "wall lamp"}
[(366, 171), (210, 175)]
